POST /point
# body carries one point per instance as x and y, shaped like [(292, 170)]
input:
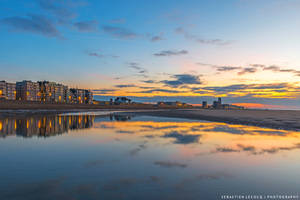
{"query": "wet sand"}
[(278, 119)]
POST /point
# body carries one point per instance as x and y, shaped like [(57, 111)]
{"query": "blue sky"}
[(245, 51)]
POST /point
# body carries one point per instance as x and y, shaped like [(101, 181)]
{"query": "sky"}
[(245, 51)]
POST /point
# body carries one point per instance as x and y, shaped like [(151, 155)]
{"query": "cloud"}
[(119, 32), (276, 68), (206, 64), (103, 91), (96, 54), (100, 55), (182, 79), (254, 151), (156, 38), (159, 90), (125, 86), (135, 151), (124, 131), (278, 149), (148, 81), (246, 148), (118, 21), (171, 53), (241, 87), (273, 132), (60, 9), (151, 127), (37, 24), (226, 150), (182, 138), (170, 164), (189, 36), (219, 67), (253, 68), (247, 70), (136, 66), (227, 68), (269, 86), (227, 129), (87, 26)]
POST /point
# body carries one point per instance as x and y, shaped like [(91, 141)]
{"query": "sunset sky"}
[(246, 51)]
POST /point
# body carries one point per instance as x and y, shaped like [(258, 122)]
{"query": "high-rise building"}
[(28, 91)]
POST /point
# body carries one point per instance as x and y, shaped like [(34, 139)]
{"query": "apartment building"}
[(44, 91), (2, 90), (53, 92), (11, 91), (77, 95), (28, 91), (7, 90), (88, 98), (68, 95)]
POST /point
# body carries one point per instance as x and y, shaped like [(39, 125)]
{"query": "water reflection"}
[(121, 156), (43, 126), (209, 137), (203, 138)]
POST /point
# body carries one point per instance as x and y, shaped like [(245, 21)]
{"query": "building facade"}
[(2, 90), (11, 91), (28, 91), (77, 95), (80, 96), (53, 92), (88, 97), (44, 91), (7, 90)]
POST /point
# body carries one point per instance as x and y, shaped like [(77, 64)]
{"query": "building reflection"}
[(44, 126)]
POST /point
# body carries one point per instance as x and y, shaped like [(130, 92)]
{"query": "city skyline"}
[(243, 51)]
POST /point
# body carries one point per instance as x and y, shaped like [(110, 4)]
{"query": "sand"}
[(278, 119)]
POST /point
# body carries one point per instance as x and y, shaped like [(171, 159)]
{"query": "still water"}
[(87, 156)]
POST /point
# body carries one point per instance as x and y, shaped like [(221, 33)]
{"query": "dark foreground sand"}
[(278, 119)]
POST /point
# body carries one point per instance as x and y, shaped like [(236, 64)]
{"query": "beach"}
[(278, 119)]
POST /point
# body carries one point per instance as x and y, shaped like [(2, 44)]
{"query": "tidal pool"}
[(89, 156)]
